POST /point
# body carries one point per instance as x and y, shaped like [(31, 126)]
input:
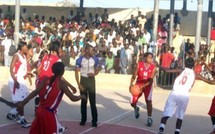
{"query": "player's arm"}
[(21, 104), (70, 86), (14, 60), (63, 87), (11, 104), (34, 65), (134, 76)]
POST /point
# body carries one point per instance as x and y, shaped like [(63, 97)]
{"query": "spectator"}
[(166, 58), (109, 68), (1, 14), (123, 61), (7, 42), (105, 15), (24, 14), (9, 13), (70, 16)]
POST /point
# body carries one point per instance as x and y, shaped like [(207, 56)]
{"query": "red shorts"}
[(147, 91), (44, 123), (212, 109)]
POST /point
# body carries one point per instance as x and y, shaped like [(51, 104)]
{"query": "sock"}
[(177, 130), (13, 111), (21, 117), (162, 125), (150, 117)]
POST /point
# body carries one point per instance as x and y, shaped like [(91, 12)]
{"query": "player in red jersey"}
[(51, 92), (145, 72), (44, 70), (212, 114)]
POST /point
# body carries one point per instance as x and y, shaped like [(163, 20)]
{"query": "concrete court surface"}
[(115, 114)]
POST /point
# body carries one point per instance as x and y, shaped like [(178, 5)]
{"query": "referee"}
[(88, 66)]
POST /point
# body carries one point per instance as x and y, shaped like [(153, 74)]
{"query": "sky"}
[(149, 4)]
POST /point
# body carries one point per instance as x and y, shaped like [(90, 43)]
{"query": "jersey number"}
[(184, 80), (46, 65)]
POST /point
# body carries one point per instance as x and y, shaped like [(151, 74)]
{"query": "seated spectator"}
[(67, 42), (109, 68)]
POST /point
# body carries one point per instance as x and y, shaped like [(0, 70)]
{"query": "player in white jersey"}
[(17, 83), (179, 97)]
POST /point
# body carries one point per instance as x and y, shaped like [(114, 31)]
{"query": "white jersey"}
[(184, 82)]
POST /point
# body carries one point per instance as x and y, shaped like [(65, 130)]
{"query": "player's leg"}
[(92, 99), (168, 112), (12, 115), (182, 102), (83, 102), (133, 102), (148, 99), (212, 114), (21, 94)]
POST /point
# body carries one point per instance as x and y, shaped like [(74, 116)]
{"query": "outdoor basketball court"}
[(115, 115)]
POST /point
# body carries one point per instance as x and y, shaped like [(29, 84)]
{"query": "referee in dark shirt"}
[(88, 66)]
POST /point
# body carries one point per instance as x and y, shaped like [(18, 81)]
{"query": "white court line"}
[(101, 124)]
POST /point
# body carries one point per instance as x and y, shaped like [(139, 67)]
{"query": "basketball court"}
[(115, 115)]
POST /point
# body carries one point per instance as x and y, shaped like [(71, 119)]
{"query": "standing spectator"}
[(177, 22), (1, 14), (9, 13), (88, 66), (71, 15), (123, 61), (7, 42), (142, 21), (109, 63), (129, 54), (117, 62), (24, 14), (105, 15), (188, 46), (166, 58)]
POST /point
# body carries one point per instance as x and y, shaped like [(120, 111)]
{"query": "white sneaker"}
[(23, 123)]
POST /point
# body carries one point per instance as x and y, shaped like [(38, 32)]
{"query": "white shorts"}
[(19, 94), (176, 104)]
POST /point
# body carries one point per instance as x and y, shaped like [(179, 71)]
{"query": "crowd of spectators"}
[(119, 45)]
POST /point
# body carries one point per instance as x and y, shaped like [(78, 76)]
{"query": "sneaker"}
[(62, 130), (136, 112), (23, 123), (176, 132), (11, 116), (94, 124), (161, 130), (149, 122), (82, 123)]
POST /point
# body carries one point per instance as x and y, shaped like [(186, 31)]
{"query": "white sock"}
[(162, 125), (150, 117), (13, 111), (177, 130), (21, 117)]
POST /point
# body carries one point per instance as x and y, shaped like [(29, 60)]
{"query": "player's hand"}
[(74, 90), (83, 97), (80, 87), (19, 105), (16, 84), (130, 88)]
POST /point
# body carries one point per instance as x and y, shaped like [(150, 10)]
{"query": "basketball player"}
[(145, 72), (179, 97), (51, 92), (17, 83)]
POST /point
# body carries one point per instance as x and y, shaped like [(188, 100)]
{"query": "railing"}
[(166, 77)]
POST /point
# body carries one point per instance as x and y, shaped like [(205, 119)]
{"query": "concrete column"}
[(155, 24), (210, 9), (17, 21), (198, 27), (172, 9), (155, 20)]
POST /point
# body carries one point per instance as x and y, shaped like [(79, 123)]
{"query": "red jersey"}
[(50, 97), (144, 73), (46, 66)]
